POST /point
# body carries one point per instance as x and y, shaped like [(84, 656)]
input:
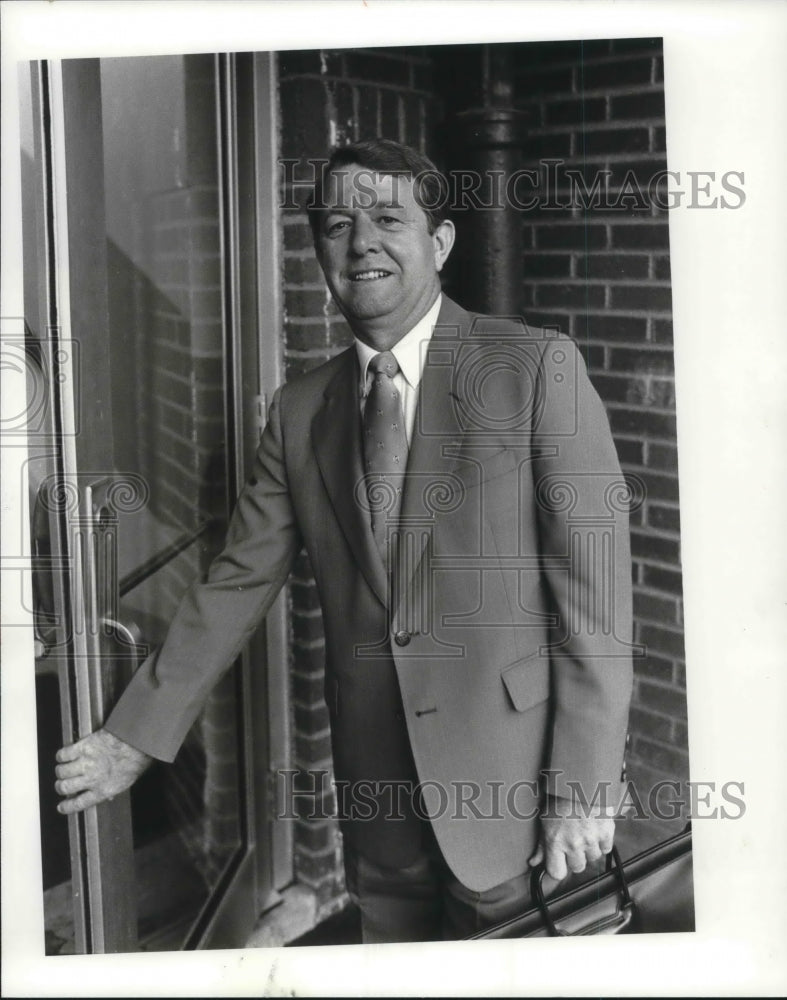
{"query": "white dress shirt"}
[(410, 353)]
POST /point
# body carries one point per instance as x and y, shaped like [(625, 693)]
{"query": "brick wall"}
[(603, 276), (330, 98)]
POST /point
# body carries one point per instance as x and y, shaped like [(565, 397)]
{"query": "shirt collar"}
[(407, 351)]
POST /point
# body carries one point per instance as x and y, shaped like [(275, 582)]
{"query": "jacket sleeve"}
[(582, 509), (216, 618)]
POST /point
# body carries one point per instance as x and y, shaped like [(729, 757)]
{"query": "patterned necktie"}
[(385, 448)]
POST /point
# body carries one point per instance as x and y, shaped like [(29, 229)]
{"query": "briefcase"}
[(649, 893)]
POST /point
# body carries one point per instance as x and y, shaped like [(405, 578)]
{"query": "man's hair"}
[(385, 156)]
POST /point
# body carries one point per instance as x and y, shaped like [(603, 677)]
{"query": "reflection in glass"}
[(168, 381)]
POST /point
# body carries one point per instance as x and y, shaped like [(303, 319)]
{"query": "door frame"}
[(252, 301), (260, 256)]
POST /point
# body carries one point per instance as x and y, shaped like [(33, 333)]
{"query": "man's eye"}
[(334, 228), (389, 220)]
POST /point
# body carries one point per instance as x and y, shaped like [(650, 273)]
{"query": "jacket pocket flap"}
[(527, 682)]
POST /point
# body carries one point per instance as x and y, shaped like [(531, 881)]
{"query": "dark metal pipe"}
[(490, 140)]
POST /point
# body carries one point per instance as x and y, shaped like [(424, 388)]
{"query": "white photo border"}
[(726, 105)]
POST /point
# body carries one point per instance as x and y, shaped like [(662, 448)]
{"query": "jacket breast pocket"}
[(483, 469), (527, 682)]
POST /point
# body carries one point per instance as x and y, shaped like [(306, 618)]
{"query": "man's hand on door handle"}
[(96, 769)]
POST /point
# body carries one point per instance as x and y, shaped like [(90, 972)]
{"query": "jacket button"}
[(401, 638)]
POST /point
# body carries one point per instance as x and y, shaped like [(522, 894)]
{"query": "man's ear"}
[(443, 238)]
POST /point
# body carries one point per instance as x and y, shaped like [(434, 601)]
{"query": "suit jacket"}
[(501, 638)]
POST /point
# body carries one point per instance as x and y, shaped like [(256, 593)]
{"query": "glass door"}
[(140, 342)]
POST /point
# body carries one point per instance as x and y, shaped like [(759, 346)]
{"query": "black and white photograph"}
[(368, 499)]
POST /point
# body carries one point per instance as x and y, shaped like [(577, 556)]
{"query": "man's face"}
[(380, 261)]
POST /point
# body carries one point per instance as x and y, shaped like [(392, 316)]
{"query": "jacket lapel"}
[(436, 441), (336, 438)]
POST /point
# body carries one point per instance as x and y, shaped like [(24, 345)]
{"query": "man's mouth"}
[(369, 275)]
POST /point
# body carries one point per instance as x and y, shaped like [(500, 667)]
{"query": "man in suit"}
[(455, 484)]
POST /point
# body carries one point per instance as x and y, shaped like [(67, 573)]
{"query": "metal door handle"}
[(130, 634)]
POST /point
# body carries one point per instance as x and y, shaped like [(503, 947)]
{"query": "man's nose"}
[(364, 235)]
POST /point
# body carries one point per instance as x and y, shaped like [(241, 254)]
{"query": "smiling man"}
[(381, 254), (453, 480)]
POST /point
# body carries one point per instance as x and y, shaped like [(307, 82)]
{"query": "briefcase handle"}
[(614, 924)]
